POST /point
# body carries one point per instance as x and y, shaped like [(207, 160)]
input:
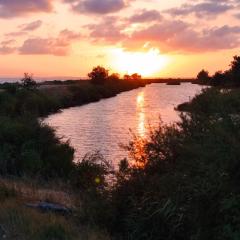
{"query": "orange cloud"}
[(50, 46)]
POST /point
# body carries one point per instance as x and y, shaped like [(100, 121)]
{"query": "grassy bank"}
[(49, 98), (28, 146)]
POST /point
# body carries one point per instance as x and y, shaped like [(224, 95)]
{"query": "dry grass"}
[(32, 191), (22, 223)]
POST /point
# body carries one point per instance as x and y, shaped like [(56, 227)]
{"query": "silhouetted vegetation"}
[(182, 181), (114, 77), (99, 75), (30, 148), (28, 82), (229, 78), (134, 76), (203, 76), (90, 173)]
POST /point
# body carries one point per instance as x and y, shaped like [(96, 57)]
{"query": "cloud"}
[(180, 37), (59, 46), (167, 34), (7, 42), (41, 46), (25, 28), (14, 8), (31, 26), (6, 47), (205, 8), (4, 50), (145, 16), (98, 6), (69, 35), (156, 34), (15, 34), (107, 31), (237, 15)]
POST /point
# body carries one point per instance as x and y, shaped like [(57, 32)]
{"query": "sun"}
[(145, 63)]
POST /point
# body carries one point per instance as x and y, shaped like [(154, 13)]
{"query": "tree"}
[(218, 79), (126, 77), (203, 76), (98, 75), (136, 76), (235, 69), (114, 77), (28, 82)]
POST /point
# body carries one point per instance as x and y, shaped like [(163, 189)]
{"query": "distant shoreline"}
[(63, 79)]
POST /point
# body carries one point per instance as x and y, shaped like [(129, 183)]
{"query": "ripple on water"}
[(105, 124)]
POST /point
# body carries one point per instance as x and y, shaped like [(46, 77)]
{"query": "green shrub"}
[(31, 148), (91, 172)]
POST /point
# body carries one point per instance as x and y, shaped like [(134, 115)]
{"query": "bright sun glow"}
[(145, 63)]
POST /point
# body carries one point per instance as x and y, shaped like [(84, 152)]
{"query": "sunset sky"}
[(174, 38)]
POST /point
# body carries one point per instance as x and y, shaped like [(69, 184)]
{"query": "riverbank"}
[(49, 98), (23, 135), (180, 183), (83, 92), (30, 150)]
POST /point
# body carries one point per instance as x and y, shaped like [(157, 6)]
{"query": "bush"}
[(29, 147), (28, 82), (183, 181), (229, 78), (91, 172), (219, 79), (98, 75), (203, 77)]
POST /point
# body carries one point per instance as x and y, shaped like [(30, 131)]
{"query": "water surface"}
[(105, 124)]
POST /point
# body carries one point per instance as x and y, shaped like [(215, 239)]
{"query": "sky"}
[(156, 38)]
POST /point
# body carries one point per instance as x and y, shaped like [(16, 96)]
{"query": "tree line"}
[(100, 75), (230, 77)]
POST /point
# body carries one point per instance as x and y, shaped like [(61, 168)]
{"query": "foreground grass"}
[(17, 221)]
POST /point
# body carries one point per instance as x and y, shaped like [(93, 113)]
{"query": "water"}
[(105, 124), (9, 80)]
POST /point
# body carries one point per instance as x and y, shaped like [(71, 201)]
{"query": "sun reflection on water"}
[(141, 114), (137, 153)]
